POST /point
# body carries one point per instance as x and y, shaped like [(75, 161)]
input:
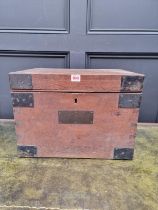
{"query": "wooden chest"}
[(74, 113)]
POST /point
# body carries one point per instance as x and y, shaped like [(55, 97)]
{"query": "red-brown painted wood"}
[(98, 92), (100, 80)]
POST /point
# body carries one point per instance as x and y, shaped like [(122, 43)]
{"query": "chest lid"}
[(76, 80)]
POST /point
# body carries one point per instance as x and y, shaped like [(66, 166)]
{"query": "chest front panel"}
[(79, 125)]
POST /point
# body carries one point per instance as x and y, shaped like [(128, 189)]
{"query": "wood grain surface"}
[(91, 80), (112, 127)]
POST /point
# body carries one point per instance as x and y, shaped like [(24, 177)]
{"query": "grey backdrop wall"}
[(80, 34)]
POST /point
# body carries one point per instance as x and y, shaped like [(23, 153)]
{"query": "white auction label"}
[(75, 78)]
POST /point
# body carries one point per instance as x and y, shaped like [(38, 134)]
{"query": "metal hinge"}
[(22, 99), (132, 83), (20, 81), (129, 100), (123, 153), (26, 151)]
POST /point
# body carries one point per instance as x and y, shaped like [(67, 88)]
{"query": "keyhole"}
[(75, 100)]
